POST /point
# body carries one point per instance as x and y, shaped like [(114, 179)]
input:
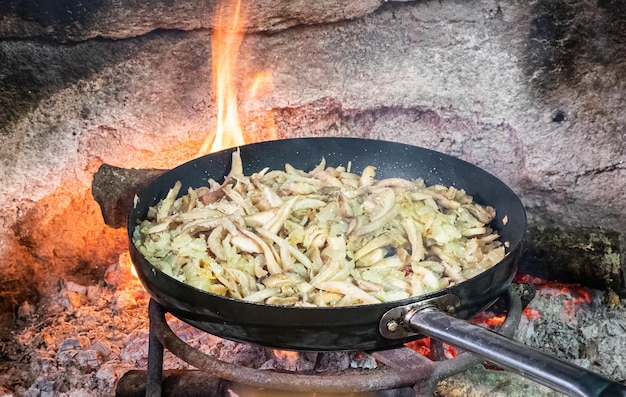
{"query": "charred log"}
[(586, 256), (114, 190), (175, 383)]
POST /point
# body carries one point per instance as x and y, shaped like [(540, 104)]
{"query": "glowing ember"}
[(495, 321), (577, 293), (531, 314), (423, 347), (572, 295), (285, 355)]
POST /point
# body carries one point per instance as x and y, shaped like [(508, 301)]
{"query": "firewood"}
[(114, 189), (175, 383), (586, 256)]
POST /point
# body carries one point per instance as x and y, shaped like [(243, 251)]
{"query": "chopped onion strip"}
[(328, 237)]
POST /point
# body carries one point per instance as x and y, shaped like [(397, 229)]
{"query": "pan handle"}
[(512, 355)]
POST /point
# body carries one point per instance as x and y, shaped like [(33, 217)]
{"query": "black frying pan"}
[(366, 327), (347, 328)]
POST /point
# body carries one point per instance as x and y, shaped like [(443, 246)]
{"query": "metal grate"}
[(405, 373)]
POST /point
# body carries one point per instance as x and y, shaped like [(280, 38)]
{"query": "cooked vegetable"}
[(327, 237)]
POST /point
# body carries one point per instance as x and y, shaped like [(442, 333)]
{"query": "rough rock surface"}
[(532, 92), (70, 20)]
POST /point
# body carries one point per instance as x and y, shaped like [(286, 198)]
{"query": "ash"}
[(587, 333), (79, 340), (559, 322)]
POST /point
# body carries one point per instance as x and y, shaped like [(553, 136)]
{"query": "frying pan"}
[(365, 327)]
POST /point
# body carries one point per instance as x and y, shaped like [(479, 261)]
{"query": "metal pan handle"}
[(512, 355)]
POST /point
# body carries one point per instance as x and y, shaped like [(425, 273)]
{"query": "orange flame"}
[(226, 41)]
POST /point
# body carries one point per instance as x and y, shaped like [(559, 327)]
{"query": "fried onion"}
[(328, 237)]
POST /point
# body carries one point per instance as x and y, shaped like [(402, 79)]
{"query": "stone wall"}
[(531, 91)]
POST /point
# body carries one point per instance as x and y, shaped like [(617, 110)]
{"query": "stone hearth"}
[(533, 92)]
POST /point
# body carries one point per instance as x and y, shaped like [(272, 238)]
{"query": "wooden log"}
[(194, 383), (586, 256), (175, 383), (114, 189)]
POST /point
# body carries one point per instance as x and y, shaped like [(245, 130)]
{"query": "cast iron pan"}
[(347, 328), (367, 327)]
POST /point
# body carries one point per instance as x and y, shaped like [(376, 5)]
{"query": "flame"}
[(130, 265), (127, 265), (133, 270), (261, 84), (286, 355), (226, 42)]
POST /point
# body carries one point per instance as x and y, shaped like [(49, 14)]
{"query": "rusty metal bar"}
[(404, 367), (155, 356), (382, 379)]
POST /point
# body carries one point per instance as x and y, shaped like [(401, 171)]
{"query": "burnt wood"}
[(114, 189), (175, 383)]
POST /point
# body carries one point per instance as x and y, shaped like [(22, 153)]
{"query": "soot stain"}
[(31, 71), (609, 43), (567, 37), (552, 43), (60, 16)]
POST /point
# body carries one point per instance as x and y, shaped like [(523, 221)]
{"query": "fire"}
[(423, 347), (226, 41), (286, 355), (531, 313), (495, 321), (573, 295), (126, 263), (289, 360)]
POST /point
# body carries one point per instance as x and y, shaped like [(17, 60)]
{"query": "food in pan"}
[(326, 237)]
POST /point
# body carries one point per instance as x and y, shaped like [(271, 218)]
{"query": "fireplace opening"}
[(97, 101)]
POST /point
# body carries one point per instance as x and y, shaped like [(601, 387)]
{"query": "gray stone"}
[(531, 92), (76, 20)]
